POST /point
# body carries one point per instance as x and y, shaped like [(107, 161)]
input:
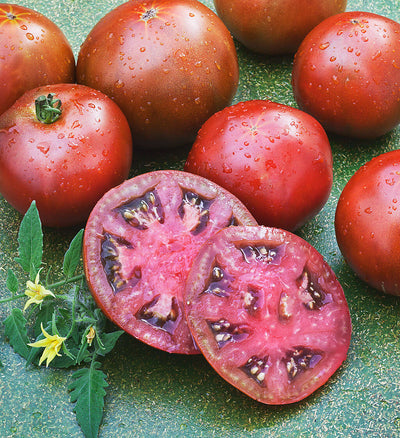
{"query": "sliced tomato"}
[(267, 312), (139, 244)]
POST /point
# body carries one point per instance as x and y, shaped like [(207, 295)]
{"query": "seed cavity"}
[(260, 253), (251, 300), (225, 332), (314, 298), (219, 283), (256, 368), (109, 255), (194, 212), (299, 359), (143, 212), (285, 307), (161, 312)]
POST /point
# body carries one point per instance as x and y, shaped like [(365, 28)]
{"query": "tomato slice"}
[(267, 312), (139, 243)]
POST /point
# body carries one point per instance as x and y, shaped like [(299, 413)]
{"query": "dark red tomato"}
[(367, 222), (169, 64), (267, 312), (66, 165), (276, 159), (346, 73), (139, 244), (33, 52), (275, 27)]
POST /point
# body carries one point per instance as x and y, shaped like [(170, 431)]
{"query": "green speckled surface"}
[(155, 394)]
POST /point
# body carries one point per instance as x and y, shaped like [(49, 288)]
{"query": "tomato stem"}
[(48, 109)]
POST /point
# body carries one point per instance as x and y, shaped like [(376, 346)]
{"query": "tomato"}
[(169, 65), (139, 244), (67, 164), (33, 52), (346, 74), (276, 159), (275, 27), (267, 312), (367, 221)]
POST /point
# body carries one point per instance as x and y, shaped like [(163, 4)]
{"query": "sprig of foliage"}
[(63, 319)]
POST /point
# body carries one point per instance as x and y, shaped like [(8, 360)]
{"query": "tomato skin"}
[(367, 221), (275, 27), (140, 241), (33, 52), (65, 166), (276, 159), (274, 322), (346, 74), (168, 64)]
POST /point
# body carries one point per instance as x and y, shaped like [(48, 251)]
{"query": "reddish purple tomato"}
[(346, 74), (140, 241), (33, 52), (275, 27), (169, 65), (367, 222), (276, 159), (65, 164), (267, 312)]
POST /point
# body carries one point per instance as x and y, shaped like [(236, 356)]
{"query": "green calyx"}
[(48, 109)]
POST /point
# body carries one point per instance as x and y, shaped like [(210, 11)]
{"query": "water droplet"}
[(43, 147), (30, 36), (324, 46), (368, 210), (226, 168), (143, 49), (119, 83)]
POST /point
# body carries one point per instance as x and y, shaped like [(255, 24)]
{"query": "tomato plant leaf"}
[(73, 254), (12, 282), (107, 341), (30, 240), (87, 391), (15, 330)]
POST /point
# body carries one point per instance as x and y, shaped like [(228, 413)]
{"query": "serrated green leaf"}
[(108, 341), (73, 254), (15, 330), (87, 391), (30, 240), (12, 282), (1, 364)]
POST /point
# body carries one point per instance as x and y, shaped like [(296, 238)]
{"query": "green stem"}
[(12, 298), (66, 281), (48, 109), (73, 320)]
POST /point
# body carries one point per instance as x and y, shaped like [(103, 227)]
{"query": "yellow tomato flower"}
[(51, 344), (90, 336), (36, 292)]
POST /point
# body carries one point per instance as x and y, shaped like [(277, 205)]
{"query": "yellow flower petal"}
[(51, 344), (36, 292)]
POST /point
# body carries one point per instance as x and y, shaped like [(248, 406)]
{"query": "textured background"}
[(155, 394)]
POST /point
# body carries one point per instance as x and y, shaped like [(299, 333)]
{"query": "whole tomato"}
[(33, 52), (367, 222), (63, 146), (276, 159), (168, 64), (275, 27), (346, 74)]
